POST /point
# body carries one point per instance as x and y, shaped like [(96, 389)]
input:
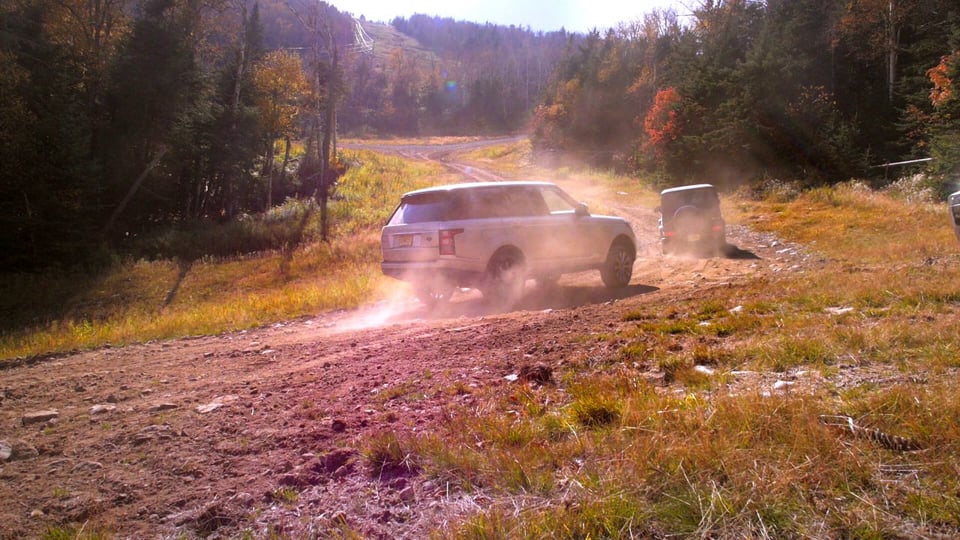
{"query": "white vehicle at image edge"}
[(493, 236), (954, 204)]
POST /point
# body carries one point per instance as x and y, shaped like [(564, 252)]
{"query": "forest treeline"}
[(733, 91), (124, 119)]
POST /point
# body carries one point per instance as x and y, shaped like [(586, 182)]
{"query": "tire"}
[(506, 276), (434, 294), (618, 269), (689, 220)]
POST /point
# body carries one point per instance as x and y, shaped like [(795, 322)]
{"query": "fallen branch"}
[(890, 442)]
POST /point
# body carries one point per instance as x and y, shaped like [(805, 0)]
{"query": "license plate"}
[(403, 240), (693, 238)]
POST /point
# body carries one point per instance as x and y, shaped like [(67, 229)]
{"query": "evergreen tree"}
[(154, 87)]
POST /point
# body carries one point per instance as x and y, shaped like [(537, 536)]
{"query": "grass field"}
[(604, 453)]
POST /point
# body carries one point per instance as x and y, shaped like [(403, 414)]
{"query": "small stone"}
[(537, 373), (338, 426), (160, 407), (338, 459), (208, 408), (87, 466), (782, 384), (38, 417), (408, 494), (16, 451), (706, 370), (101, 408)]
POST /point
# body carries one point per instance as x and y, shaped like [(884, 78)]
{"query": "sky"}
[(572, 15)]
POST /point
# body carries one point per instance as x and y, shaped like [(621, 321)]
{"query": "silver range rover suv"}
[(494, 236)]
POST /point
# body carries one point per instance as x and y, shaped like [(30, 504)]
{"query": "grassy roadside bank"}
[(812, 404), (140, 300)]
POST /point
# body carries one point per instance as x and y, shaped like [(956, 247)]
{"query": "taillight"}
[(448, 242), (717, 228)]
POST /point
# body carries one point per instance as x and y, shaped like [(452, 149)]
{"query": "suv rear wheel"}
[(506, 276), (618, 270)]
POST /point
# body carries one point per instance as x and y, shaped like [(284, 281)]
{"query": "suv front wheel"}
[(618, 270), (433, 294)]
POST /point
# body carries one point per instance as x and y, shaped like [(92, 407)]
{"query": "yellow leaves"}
[(281, 83)]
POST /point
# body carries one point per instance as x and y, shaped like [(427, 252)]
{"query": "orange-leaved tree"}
[(945, 129), (662, 122), (940, 77)]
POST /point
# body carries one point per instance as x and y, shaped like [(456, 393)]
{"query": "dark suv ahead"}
[(690, 218), (494, 236)]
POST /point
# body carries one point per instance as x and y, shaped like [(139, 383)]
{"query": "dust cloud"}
[(397, 303)]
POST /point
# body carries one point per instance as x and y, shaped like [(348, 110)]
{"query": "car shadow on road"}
[(535, 298), (728, 251), (731, 251)]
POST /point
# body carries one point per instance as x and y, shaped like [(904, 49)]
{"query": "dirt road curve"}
[(260, 430)]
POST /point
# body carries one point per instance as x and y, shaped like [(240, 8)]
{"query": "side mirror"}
[(582, 210)]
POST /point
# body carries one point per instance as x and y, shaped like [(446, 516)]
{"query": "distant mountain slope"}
[(386, 39), (431, 75)]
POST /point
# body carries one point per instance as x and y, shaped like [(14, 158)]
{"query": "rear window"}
[(702, 199), (422, 208)]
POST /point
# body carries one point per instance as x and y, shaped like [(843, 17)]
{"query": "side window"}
[(557, 203), (504, 203), (523, 203), (480, 204)]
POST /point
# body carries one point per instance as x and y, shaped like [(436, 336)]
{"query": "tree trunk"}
[(330, 121), (286, 161), (132, 191), (267, 171), (893, 43)]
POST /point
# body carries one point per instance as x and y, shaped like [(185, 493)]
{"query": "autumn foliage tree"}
[(280, 84), (945, 132), (662, 123)]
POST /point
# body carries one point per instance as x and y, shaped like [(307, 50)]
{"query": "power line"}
[(361, 40)]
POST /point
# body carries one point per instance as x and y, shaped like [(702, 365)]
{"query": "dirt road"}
[(261, 431)]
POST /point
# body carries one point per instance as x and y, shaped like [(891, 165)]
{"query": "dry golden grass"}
[(604, 453), (141, 300)]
